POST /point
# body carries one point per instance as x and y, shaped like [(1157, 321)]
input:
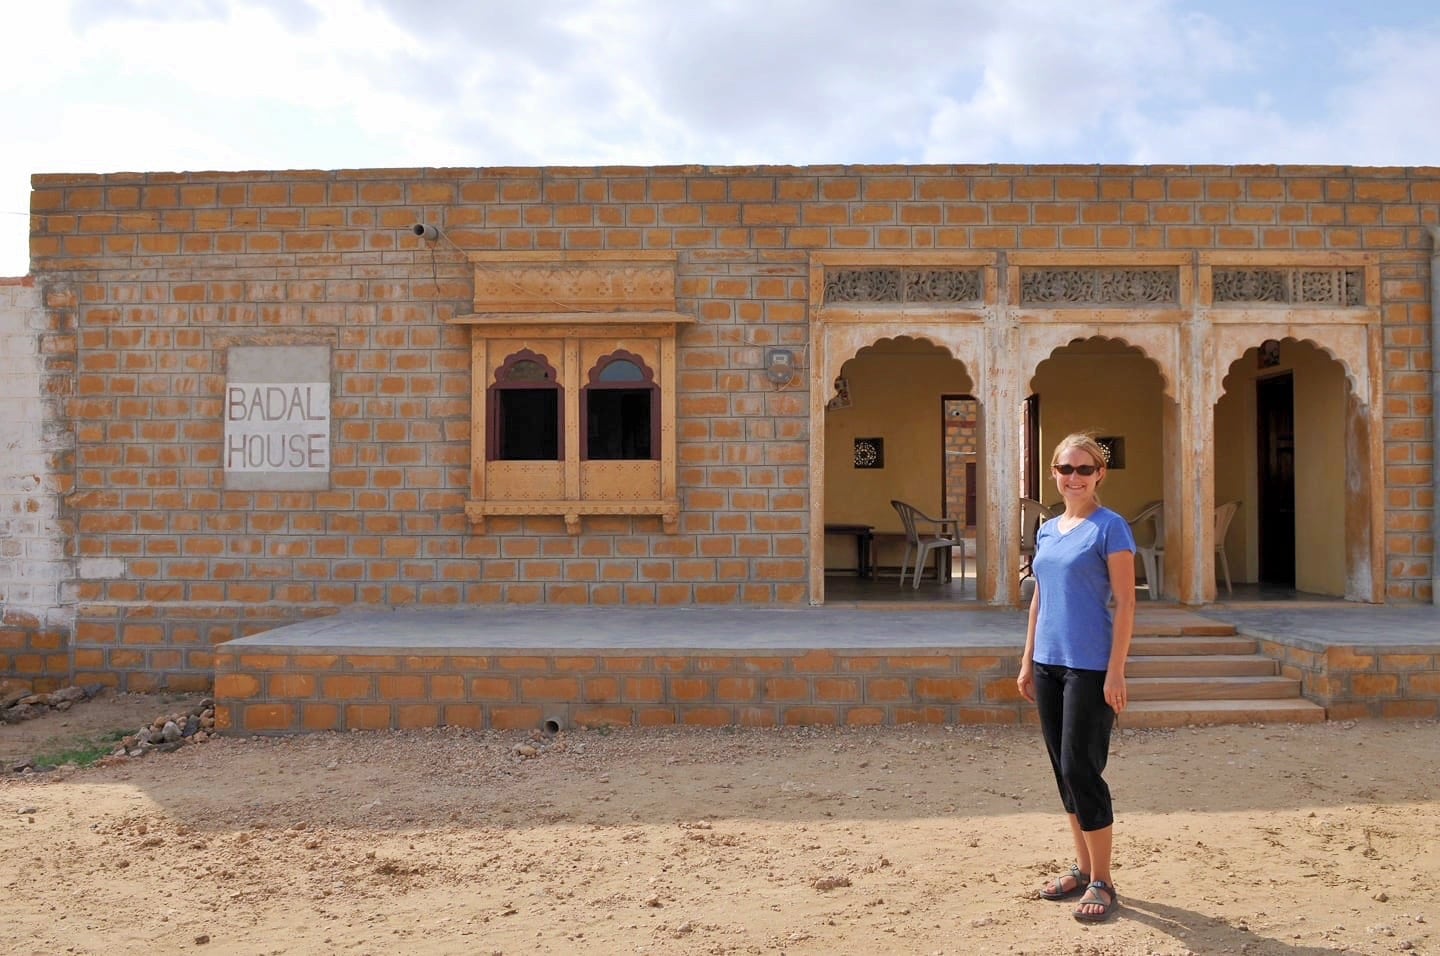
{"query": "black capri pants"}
[(1076, 723)]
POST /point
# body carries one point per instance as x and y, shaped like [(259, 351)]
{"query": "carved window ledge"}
[(572, 511), (571, 314)]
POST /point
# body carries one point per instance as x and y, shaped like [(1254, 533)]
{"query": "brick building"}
[(235, 400)]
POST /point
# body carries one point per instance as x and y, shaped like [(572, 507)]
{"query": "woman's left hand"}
[(1115, 693)]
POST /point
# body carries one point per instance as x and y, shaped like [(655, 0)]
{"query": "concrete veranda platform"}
[(517, 667), (541, 629), (1391, 629)]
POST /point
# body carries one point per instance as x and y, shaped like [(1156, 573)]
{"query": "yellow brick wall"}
[(151, 276)]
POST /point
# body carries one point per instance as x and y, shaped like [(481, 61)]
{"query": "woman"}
[(1073, 668)]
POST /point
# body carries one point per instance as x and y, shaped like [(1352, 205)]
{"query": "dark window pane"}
[(618, 423), (621, 370), (526, 370), (529, 424)]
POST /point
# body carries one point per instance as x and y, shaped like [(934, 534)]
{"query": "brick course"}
[(1352, 683), (506, 690)]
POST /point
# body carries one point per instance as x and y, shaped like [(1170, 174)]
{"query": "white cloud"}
[(1376, 114), (1064, 88), (265, 84)]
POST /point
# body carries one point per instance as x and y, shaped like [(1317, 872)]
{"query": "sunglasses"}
[(1084, 471)]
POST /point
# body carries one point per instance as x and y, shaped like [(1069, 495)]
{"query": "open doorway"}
[(1275, 487), (905, 427), (960, 415), (1292, 448), (1030, 452), (1129, 412)]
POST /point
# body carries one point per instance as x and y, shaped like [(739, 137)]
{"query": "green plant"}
[(83, 752)]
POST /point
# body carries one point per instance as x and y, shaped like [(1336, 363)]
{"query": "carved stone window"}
[(573, 364), (1099, 286), (895, 285), (1340, 288)]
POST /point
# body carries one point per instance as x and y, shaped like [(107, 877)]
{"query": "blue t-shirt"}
[(1074, 626)]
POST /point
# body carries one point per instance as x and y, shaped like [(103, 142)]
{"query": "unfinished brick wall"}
[(168, 270), (35, 616)]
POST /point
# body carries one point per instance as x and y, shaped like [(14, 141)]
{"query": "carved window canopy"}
[(575, 314)]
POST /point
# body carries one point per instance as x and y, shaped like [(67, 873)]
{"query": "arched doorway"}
[(1115, 391), (1292, 447), (901, 423)]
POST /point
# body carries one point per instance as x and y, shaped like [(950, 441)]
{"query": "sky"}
[(189, 85)]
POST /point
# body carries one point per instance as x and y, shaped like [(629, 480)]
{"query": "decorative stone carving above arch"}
[(891, 287), (1333, 288), (894, 285), (1289, 286), (1099, 287), (1095, 287)]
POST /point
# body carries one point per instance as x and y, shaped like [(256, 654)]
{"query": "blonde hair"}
[(1086, 442)]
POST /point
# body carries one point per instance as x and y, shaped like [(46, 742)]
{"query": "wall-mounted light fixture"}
[(780, 366)]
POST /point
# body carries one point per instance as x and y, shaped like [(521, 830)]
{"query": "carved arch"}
[(937, 347), (964, 344), (1158, 343), (1349, 345)]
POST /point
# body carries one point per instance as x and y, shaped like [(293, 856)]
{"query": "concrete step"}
[(1200, 665), (1185, 713), (1178, 624), (1212, 688), (1154, 646), (1184, 670)]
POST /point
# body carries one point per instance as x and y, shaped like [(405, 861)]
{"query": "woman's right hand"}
[(1026, 681)]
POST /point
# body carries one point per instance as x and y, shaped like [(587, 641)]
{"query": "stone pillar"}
[(1190, 469), (1004, 390)]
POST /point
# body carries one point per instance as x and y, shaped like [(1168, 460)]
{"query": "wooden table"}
[(864, 535)]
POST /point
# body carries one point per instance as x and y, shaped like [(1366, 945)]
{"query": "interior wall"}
[(1319, 470), (1236, 467), (895, 390), (1320, 416), (1109, 389)]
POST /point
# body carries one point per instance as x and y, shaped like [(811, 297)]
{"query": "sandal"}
[(1055, 889), (1093, 897)]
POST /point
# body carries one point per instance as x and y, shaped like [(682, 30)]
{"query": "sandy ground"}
[(1256, 840)]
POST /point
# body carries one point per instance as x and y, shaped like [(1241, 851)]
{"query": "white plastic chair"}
[(940, 533), (1148, 528), (1032, 515), (1224, 514)]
